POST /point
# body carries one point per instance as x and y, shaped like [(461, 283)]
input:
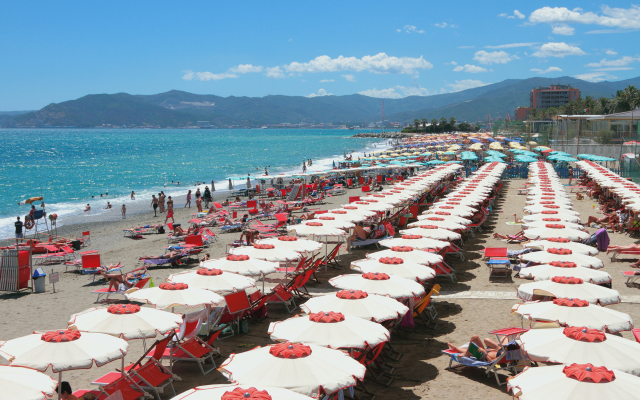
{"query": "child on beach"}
[(199, 203), (124, 212), (87, 208)]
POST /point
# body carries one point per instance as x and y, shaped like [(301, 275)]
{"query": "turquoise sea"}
[(69, 166)]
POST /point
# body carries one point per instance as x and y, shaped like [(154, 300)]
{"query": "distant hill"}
[(176, 108)]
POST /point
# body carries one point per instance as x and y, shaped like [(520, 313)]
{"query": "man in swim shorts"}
[(154, 204)]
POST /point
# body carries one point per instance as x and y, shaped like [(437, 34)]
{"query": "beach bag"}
[(161, 229)]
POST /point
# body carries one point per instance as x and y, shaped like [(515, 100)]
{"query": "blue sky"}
[(57, 51)]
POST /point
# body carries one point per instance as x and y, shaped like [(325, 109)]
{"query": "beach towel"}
[(602, 239)]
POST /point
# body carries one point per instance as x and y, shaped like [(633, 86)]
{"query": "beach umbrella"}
[(357, 303), (172, 294), (542, 223), (395, 266), (214, 280), (545, 272), (383, 284), (292, 243), (332, 221), (126, 321), (307, 369), (17, 383), (573, 382), (408, 254), (564, 257), (267, 252), (63, 350), (538, 208), (432, 232), (458, 204), (415, 241), (582, 345), (551, 214), (575, 312), (241, 264), (446, 216), (554, 231), (374, 205), (561, 201), (572, 288), (349, 216), (239, 392), (556, 243), (451, 210), (359, 210), (329, 329), (315, 229)]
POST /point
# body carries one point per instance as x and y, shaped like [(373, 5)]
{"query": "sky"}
[(57, 51)]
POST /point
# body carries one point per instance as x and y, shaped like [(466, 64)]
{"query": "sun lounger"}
[(367, 242), (425, 310), (615, 254), (106, 292), (632, 277)]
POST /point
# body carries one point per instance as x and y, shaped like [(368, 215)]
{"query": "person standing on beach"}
[(188, 200), (19, 224), (133, 195), (154, 204), (169, 211), (199, 204), (207, 196), (124, 212), (161, 198), (304, 167)]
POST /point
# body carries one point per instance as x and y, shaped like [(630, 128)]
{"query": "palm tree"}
[(603, 105), (443, 123), (452, 122), (434, 123), (416, 123), (425, 122)]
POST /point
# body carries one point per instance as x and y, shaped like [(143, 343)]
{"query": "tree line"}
[(440, 126)]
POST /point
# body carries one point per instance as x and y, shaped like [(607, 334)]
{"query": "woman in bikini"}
[(490, 350), (124, 282)]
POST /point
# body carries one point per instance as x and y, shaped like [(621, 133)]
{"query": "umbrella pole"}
[(59, 385)]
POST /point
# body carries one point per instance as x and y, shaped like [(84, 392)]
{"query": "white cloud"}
[(494, 57), (474, 69), (378, 64), (614, 69), (562, 30), (245, 69), (411, 29), (558, 50), (466, 47), (383, 93), (546, 71), (320, 93), (518, 14), (465, 84), (610, 17), (413, 91), (511, 45), (595, 77), (502, 15), (610, 52), (327, 80), (206, 76), (453, 63), (442, 25), (621, 62), (349, 77), (274, 72)]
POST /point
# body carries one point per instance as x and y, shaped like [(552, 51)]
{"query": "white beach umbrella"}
[(347, 215), (172, 294), (356, 303), (241, 264), (329, 329), (582, 345), (563, 255), (239, 392), (331, 220), (572, 288), (453, 210), (214, 280), (545, 272), (373, 205), (126, 321), (396, 266), (577, 248), (575, 312), (293, 243), (17, 383), (268, 252), (545, 200), (432, 232), (551, 214), (446, 216), (315, 229), (63, 350), (358, 210), (379, 283), (573, 382), (457, 204), (545, 221), (554, 231), (538, 208), (555, 196), (439, 222), (307, 369), (416, 241), (408, 254)]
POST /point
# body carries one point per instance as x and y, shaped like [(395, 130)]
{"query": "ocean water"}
[(69, 166)]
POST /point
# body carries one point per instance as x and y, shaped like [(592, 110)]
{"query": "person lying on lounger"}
[(631, 247), (489, 349), (518, 237), (165, 256), (178, 231), (126, 281), (107, 268)]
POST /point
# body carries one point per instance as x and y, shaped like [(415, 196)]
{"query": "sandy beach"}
[(475, 304)]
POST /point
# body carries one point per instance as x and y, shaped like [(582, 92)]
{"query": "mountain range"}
[(177, 108)]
